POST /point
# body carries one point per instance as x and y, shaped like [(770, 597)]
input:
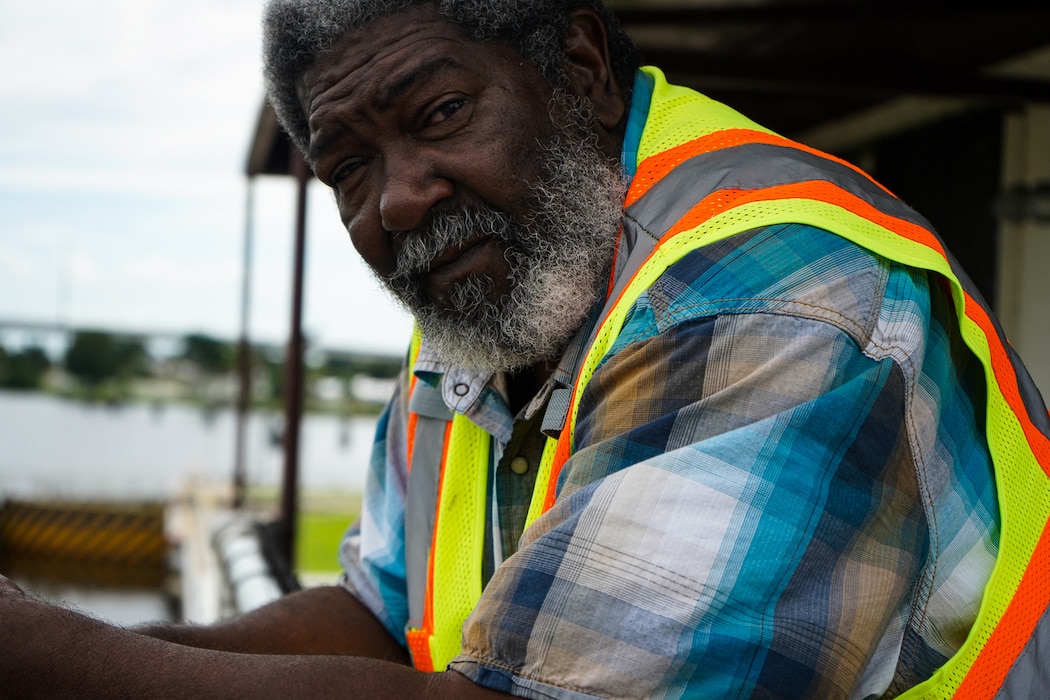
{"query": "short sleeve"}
[(780, 487), (736, 476)]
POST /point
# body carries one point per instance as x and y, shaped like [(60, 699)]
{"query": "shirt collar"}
[(641, 97)]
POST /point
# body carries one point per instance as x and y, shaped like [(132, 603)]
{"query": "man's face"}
[(490, 219)]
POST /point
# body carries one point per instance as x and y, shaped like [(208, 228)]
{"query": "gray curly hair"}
[(296, 31)]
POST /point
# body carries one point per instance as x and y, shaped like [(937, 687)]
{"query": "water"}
[(58, 448), (52, 447)]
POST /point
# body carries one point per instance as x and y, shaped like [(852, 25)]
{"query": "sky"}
[(124, 131)]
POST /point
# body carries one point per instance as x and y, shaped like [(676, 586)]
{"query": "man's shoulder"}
[(791, 269)]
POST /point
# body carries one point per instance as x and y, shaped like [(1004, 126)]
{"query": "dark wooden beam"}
[(840, 80), (767, 12)]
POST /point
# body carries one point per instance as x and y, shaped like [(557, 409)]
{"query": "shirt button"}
[(519, 465), (461, 389)]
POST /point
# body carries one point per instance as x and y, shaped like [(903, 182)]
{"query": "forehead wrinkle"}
[(419, 74), (347, 68), (387, 95), (384, 92)]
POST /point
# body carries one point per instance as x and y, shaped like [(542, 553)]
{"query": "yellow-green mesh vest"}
[(688, 207)]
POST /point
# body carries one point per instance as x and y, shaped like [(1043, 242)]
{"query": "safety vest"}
[(705, 173)]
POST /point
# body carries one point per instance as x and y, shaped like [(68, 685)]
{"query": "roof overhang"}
[(830, 73)]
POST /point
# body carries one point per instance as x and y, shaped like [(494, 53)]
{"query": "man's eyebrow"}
[(320, 145), (401, 86)]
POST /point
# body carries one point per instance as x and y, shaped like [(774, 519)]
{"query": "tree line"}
[(102, 365)]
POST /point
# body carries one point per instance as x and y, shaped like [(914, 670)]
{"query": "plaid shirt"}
[(780, 487)]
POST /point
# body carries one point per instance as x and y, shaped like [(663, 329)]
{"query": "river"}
[(52, 447)]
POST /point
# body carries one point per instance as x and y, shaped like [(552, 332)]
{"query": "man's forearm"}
[(82, 657), (326, 620), (50, 652)]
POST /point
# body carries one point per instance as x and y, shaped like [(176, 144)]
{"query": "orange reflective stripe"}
[(419, 648), (410, 441), (413, 418), (561, 456), (656, 167), (722, 200), (419, 639)]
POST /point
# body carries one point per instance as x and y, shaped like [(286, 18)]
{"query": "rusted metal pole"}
[(293, 373)]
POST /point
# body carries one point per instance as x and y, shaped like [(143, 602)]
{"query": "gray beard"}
[(559, 259)]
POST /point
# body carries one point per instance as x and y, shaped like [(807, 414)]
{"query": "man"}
[(694, 410)]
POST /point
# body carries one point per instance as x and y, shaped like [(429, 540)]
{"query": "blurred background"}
[(125, 130), (186, 406)]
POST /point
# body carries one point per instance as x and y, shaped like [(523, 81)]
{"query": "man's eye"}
[(345, 170), (445, 110)]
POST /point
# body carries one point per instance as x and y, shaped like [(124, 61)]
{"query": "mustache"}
[(445, 230)]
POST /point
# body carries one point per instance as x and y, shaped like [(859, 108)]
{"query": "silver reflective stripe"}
[(421, 500), (641, 244), (753, 166), (1029, 677)]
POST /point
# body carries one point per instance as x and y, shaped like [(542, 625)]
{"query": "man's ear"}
[(589, 68)]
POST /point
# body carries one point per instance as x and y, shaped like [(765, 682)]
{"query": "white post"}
[(1024, 245)]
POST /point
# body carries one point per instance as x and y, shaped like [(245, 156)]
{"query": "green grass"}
[(317, 540), (323, 519)]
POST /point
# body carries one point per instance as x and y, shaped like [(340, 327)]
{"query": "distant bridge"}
[(53, 334), (55, 327)]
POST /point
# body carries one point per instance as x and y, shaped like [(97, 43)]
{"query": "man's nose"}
[(411, 188)]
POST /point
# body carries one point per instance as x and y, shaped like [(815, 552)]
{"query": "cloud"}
[(123, 136), (130, 81), (17, 264), (83, 269), (180, 275), (126, 181)]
